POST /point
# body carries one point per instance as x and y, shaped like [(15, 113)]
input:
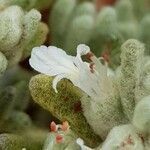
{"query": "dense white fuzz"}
[(54, 61)]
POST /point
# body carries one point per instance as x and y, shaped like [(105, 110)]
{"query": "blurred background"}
[(102, 24)]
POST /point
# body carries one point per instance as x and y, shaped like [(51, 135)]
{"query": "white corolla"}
[(93, 77)]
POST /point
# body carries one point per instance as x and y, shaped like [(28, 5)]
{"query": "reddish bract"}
[(53, 126)]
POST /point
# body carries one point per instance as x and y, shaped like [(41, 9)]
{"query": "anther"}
[(89, 56)]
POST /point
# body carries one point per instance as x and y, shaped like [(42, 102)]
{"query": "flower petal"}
[(51, 60), (56, 80)]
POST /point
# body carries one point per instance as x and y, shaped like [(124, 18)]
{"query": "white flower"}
[(92, 77)]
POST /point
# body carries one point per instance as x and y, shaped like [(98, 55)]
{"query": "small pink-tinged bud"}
[(65, 126), (53, 126), (59, 138)]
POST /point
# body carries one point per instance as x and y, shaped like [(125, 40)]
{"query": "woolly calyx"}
[(123, 137), (141, 118), (131, 61), (3, 63), (68, 102)]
